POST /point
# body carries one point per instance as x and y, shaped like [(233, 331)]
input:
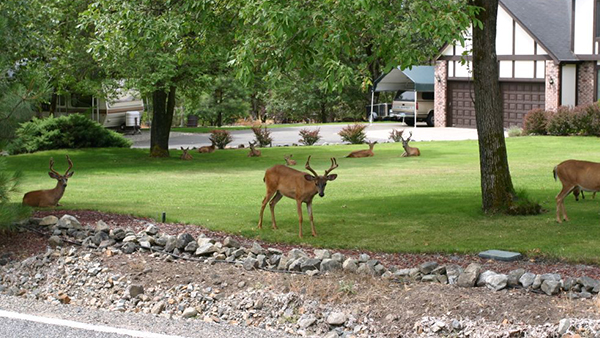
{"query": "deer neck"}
[(58, 191)]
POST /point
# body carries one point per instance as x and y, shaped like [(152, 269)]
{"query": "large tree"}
[(160, 46)]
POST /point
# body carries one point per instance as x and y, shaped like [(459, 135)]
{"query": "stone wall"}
[(585, 83), (441, 85), (552, 85)]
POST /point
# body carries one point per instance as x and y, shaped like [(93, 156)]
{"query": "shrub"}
[(309, 137), (522, 204), (9, 212), (73, 131), (354, 134), (587, 120), (220, 138), (535, 122), (396, 135), (514, 131), (263, 136), (562, 122)]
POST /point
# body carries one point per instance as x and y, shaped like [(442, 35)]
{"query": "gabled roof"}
[(548, 22), (419, 78)]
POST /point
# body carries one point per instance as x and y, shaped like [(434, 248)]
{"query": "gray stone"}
[(99, 237), (101, 226), (151, 230), (55, 241), (469, 276), (514, 276), (306, 321), (274, 260), (497, 282), (527, 279), (145, 244), (189, 312), (191, 247), (453, 272), (331, 334), (183, 240), (563, 326), (482, 279), (273, 251), (106, 243), (158, 308), (336, 318), (415, 273), (297, 253), (427, 267), (118, 234), (283, 263), (338, 257), (550, 276), (129, 247), (231, 243), (568, 283), (585, 295), (402, 273), (171, 243), (49, 220), (550, 287), (261, 261), (329, 264), (69, 222), (257, 249), (588, 284), (379, 269), (204, 240), (296, 265), (322, 254), (429, 278), (537, 282), (130, 238), (500, 255), (135, 290), (350, 265), (440, 270), (206, 250), (250, 263), (363, 258)]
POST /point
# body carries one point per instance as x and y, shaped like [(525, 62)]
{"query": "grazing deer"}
[(186, 156), (574, 174), (253, 151), (364, 152), (409, 151), (283, 181), (289, 161), (578, 191), (207, 149), (50, 198)]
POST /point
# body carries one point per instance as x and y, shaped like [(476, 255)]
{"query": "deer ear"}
[(309, 177), (53, 175), (69, 174), (331, 177)]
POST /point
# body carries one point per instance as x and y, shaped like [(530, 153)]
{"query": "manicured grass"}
[(386, 203)]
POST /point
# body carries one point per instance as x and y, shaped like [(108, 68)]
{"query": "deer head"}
[(62, 179), (321, 181)]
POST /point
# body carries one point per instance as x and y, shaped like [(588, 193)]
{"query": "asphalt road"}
[(379, 132)]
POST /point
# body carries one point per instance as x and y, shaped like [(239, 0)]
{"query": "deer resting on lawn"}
[(186, 156), (50, 198), (284, 181), (364, 152), (408, 150), (253, 151), (207, 149), (289, 161), (574, 174)]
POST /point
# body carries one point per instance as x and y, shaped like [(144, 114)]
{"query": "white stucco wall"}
[(584, 27), (568, 85)]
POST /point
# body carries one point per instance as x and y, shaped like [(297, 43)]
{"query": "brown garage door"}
[(518, 97)]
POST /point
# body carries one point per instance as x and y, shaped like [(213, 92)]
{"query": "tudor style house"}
[(549, 56)]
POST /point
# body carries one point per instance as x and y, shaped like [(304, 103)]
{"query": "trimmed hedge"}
[(581, 120), (65, 132)]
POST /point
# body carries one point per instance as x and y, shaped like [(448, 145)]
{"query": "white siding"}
[(541, 50), (506, 69), (568, 85), (504, 33), (523, 42), (451, 68), (524, 69), (584, 27), (468, 43), (540, 71), (449, 50), (463, 70)]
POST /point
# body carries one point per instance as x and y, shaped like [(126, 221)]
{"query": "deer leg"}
[(274, 201), (560, 206), (299, 207), (264, 204), (310, 214)]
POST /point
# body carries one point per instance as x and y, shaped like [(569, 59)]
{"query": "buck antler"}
[(307, 166), (70, 165), (333, 166), (52, 166)]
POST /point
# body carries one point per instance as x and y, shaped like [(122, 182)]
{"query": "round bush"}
[(562, 122), (354, 134), (65, 132), (535, 122)]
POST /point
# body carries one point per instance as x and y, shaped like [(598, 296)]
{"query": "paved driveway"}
[(329, 134)]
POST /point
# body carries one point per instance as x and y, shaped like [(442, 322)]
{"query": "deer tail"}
[(554, 172)]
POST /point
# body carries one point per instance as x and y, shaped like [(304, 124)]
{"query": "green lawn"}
[(384, 203)]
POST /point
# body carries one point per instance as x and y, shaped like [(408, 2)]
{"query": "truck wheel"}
[(430, 121), (409, 121)]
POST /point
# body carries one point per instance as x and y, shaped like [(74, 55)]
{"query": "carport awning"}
[(419, 78)]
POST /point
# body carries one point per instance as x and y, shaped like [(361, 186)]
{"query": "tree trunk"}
[(323, 113), (162, 118), (53, 102), (496, 184)]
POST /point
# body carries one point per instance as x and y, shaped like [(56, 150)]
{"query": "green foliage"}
[(396, 135), (515, 131), (220, 138), (72, 131), (309, 137), (562, 122), (9, 184), (523, 205), (262, 136), (535, 122), (355, 134)]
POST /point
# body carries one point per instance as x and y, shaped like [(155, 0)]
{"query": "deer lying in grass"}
[(408, 150), (284, 181), (50, 198), (253, 151), (186, 156), (207, 149), (364, 152), (574, 174), (289, 161)]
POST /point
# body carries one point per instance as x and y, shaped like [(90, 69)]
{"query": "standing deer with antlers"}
[(288, 160), (253, 151), (364, 152), (574, 174), (50, 198), (408, 150), (283, 181)]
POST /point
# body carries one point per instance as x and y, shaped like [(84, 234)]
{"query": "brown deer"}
[(574, 174), (207, 149), (289, 161), (253, 151), (578, 191), (364, 152), (186, 156), (408, 150), (284, 181), (50, 198)]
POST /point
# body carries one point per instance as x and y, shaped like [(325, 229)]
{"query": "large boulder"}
[(469, 276)]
